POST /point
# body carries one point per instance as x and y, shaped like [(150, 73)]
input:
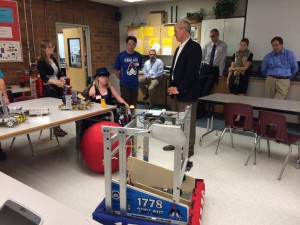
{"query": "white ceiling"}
[(121, 3)]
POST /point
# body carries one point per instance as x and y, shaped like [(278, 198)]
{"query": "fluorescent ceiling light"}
[(134, 0)]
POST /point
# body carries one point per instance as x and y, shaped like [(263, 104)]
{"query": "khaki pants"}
[(180, 106), (276, 88), (149, 87)]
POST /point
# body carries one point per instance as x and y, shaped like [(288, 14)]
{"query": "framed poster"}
[(10, 38)]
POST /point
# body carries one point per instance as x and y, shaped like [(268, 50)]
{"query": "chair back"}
[(244, 111), (23, 98), (272, 126)]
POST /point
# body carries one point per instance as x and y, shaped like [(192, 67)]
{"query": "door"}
[(75, 57)]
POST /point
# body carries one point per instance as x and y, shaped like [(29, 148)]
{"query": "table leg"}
[(210, 120)]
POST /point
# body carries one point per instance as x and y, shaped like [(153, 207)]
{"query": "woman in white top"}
[(51, 76)]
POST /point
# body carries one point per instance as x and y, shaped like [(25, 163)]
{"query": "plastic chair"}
[(245, 123), (26, 98), (272, 126)]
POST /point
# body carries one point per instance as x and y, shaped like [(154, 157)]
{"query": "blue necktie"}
[(212, 55)]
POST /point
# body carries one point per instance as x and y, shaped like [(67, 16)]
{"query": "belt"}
[(209, 66), (280, 77)]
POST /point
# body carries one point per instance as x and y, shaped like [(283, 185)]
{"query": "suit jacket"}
[(186, 72)]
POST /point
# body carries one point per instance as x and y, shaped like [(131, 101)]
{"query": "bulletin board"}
[(10, 38)]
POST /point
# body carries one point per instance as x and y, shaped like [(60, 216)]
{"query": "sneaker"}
[(2, 155), (169, 148)]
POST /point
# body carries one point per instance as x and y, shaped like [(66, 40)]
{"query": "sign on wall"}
[(10, 39)]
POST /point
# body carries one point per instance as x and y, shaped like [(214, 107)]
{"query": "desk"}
[(52, 211), (55, 118), (17, 89), (276, 105)]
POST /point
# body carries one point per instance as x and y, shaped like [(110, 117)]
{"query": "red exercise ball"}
[(92, 147)]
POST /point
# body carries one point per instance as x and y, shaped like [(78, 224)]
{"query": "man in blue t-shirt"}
[(127, 66), (4, 93)]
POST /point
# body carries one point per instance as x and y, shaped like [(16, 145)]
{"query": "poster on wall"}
[(10, 39)]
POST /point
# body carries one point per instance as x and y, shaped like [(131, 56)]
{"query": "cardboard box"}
[(156, 19)]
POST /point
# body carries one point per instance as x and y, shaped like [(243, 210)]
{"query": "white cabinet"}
[(230, 30)]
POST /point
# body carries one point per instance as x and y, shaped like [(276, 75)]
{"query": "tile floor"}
[(235, 194)]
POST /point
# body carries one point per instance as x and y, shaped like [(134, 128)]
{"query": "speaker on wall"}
[(117, 16)]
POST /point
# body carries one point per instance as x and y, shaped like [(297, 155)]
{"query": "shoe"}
[(2, 155), (62, 131), (145, 97), (191, 154), (169, 148), (58, 133)]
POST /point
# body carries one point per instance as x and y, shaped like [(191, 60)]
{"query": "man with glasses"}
[(279, 67), (213, 63), (153, 71), (184, 76), (127, 66)]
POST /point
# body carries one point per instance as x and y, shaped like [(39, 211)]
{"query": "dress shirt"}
[(220, 54), (280, 64), (181, 46), (154, 69)]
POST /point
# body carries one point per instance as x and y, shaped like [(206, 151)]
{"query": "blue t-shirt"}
[(1, 74), (129, 66)]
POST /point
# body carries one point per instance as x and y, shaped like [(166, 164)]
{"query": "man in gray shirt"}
[(213, 62)]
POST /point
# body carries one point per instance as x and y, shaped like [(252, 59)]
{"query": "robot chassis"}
[(118, 201)]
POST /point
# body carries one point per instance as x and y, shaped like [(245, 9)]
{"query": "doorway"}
[(74, 53)]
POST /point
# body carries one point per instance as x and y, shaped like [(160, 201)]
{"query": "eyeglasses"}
[(152, 54), (50, 46), (212, 36)]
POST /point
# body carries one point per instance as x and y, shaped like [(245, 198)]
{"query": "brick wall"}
[(104, 30)]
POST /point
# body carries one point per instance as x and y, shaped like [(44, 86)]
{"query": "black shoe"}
[(191, 154), (169, 148), (145, 97), (2, 155)]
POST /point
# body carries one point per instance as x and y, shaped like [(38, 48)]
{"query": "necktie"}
[(212, 55)]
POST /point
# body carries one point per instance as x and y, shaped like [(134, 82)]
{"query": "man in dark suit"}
[(184, 77)]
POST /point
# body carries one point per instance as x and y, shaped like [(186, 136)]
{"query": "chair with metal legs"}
[(237, 116), (272, 126)]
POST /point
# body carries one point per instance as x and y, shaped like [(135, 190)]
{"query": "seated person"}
[(153, 71), (6, 101), (99, 89), (103, 89)]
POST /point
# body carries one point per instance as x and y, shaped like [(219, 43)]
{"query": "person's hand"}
[(127, 106), (62, 80), (227, 83), (230, 69), (148, 77), (58, 83), (6, 100), (173, 91)]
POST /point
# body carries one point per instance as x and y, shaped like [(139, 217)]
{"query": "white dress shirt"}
[(181, 46), (220, 54)]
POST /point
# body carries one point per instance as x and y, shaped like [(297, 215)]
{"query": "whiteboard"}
[(230, 31), (269, 18)]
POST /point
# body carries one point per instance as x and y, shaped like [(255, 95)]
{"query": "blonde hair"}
[(43, 55), (96, 83)]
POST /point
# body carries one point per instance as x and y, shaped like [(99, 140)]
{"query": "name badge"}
[(98, 97)]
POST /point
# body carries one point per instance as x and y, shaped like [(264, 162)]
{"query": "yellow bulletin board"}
[(151, 38), (169, 42)]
